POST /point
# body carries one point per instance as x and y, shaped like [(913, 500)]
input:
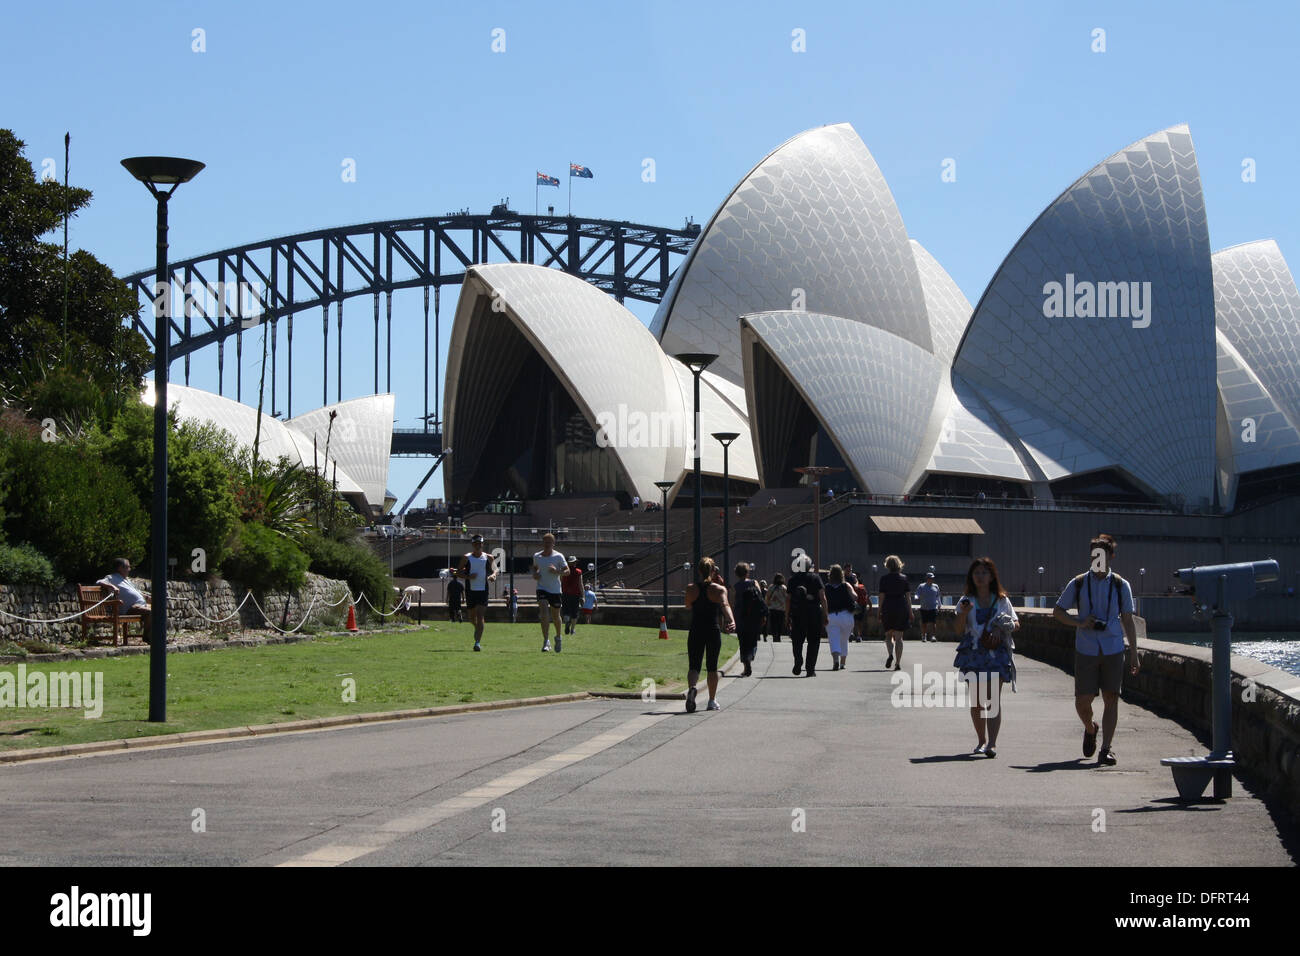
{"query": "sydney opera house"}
[(1112, 355), (348, 443)]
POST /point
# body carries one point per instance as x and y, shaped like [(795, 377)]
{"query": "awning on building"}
[(911, 525)]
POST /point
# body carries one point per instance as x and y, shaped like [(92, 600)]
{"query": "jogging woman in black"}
[(703, 598)]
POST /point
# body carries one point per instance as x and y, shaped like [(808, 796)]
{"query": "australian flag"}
[(582, 172), (545, 180)]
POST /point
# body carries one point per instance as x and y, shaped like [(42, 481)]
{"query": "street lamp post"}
[(697, 362), (664, 487), (815, 472), (1040, 582), (1142, 579), (507, 504), (155, 171), (725, 439)]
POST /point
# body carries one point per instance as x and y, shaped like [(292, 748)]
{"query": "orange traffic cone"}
[(663, 628), (352, 618)]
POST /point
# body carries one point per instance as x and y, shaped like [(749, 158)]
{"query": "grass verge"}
[(265, 685)]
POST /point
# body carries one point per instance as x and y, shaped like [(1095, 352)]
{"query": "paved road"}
[(624, 782)]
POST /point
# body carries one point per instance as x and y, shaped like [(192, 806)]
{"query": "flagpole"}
[(534, 195), (570, 189)]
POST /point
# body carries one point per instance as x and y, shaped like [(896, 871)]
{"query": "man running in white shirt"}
[(477, 570), (549, 567)]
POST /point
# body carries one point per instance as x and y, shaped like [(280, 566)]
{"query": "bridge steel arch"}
[(277, 278)]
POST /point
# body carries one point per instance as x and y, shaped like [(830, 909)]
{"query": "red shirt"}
[(571, 583)]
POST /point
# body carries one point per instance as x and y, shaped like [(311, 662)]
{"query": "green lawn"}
[(425, 668)]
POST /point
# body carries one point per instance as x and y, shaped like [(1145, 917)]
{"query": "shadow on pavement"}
[(1077, 763), (949, 758), (1178, 803)]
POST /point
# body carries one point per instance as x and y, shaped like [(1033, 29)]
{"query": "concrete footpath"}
[(792, 771)]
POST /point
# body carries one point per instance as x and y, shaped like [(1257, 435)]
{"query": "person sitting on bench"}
[(132, 601)]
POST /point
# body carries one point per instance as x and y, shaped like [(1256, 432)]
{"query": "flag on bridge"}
[(582, 172), (545, 180)]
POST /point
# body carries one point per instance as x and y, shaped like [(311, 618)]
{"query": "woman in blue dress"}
[(985, 656)]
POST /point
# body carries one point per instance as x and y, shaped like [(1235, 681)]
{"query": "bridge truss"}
[(223, 295)]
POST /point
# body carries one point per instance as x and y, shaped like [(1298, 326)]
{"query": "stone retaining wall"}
[(1176, 679), (191, 606)]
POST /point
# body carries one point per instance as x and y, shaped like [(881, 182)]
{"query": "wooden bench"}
[(107, 613)]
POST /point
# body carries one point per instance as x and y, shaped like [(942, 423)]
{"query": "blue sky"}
[(436, 121)]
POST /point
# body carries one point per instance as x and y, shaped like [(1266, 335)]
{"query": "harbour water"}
[(1280, 649)]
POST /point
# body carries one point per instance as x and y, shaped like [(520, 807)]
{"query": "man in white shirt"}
[(477, 570), (549, 567), (131, 600)]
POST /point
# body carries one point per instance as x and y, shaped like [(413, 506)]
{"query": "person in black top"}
[(895, 609), (806, 612), (705, 598), (750, 615), (840, 602), (455, 592)]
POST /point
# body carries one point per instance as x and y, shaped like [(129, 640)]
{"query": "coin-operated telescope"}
[(1213, 587), (1239, 581)]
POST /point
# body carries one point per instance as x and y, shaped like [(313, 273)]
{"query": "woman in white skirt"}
[(840, 602)]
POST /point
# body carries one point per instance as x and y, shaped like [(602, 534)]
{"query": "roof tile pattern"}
[(816, 220), (1144, 395)]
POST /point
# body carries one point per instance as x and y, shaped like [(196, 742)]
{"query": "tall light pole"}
[(725, 439), (815, 472), (664, 487), (1142, 581), (155, 171), (697, 362), (1040, 582)]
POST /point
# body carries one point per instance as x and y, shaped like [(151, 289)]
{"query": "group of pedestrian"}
[(562, 599), (983, 620)]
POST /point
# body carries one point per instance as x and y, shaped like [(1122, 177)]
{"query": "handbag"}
[(990, 639)]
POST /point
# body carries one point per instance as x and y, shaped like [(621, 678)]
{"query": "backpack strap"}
[(1078, 586)]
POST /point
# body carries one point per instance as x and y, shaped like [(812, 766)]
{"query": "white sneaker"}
[(546, 647), (713, 705)]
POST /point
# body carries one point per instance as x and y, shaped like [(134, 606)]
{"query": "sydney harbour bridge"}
[(277, 280)]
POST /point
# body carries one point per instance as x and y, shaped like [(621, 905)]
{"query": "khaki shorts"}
[(1097, 672)]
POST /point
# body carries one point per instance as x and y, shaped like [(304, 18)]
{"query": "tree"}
[(71, 505), (43, 366), (201, 505)]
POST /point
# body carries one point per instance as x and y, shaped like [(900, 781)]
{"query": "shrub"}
[(71, 506), (353, 562), (23, 564), (201, 511), (266, 561)]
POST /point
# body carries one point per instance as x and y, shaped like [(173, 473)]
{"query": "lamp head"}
[(697, 362), (156, 171), (726, 437)]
